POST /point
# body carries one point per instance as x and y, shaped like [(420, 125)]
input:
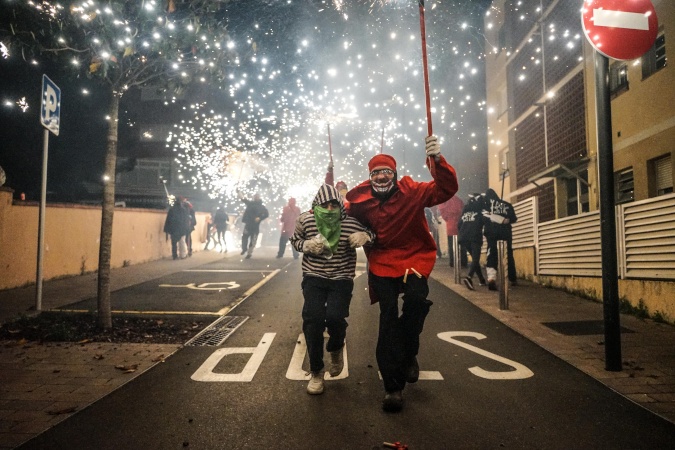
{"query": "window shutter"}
[(664, 174)]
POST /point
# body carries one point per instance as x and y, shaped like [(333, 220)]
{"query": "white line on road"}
[(250, 292), (620, 19), (228, 271)]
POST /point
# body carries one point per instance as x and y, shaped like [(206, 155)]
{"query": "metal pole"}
[(425, 68), (501, 275), (456, 259), (610, 282), (41, 224)]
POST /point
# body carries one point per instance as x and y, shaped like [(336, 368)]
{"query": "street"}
[(481, 386)]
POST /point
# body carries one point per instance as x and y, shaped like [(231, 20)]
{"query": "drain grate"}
[(217, 332)]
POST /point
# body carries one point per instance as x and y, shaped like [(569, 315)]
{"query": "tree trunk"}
[(108, 209)]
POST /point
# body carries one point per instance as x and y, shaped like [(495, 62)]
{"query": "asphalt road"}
[(482, 385)]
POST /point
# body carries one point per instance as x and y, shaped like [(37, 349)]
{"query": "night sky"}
[(305, 64)]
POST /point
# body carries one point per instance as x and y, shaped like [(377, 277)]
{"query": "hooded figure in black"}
[(470, 236), (254, 214), (499, 216)]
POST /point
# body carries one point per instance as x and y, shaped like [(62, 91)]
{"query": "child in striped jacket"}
[(328, 239)]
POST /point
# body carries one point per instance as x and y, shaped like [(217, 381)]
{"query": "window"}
[(501, 39), (655, 59), (663, 175), (577, 194), (504, 162), (624, 187), (618, 79)]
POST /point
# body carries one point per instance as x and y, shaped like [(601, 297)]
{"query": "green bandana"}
[(329, 225)]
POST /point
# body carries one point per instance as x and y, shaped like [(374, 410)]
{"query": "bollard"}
[(456, 260), (502, 269)]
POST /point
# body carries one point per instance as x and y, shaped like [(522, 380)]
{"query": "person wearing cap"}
[(328, 238), (401, 259)]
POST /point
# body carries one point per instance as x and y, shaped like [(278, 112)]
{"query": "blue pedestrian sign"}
[(50, 115)]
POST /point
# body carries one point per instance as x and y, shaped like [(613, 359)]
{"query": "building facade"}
[(541, 109), (543, 151)]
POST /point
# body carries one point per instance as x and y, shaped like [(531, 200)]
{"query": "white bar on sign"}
[(620, 19)]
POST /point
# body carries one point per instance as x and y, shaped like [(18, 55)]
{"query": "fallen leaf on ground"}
[(159, 358), (127, 369), (99, 356), (68, 410)]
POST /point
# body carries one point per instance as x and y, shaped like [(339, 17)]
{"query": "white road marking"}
[(295, 371), (425, 375), (205, 371), (620, 19), (228, 271), (248, 293), (205, 286), (520, 373)]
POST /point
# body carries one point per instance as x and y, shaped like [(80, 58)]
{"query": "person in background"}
[(451, 211), (289, 215), (328, 238), (471, 237), (191, 227), (254, 213), (220, 221), (433, 222), (341, 186), (176, 225), (499, 215), (210, 231), (401, 259)]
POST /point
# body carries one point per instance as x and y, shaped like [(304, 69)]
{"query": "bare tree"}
[(123, 44)]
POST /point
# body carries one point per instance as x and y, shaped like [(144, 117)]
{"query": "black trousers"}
[(475, 248), (326, 307), (463, 260), (398, 341), (248, 239), (493, 257)]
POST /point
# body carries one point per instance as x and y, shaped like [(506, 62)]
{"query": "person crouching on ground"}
[(328, 238), (401, 259)]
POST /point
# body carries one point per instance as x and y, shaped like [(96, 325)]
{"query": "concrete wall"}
[(71, 242)]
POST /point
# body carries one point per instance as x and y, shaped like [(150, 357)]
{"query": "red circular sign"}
[(620, 29)]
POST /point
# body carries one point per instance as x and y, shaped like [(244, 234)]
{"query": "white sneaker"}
[(337, 363), (315, 386)]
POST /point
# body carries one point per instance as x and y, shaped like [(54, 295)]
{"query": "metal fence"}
[(571, 245)]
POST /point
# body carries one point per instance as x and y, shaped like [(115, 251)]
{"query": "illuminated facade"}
[(541, 110)]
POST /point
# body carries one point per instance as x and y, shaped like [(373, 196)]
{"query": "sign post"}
[(623, 30), (50, 118)]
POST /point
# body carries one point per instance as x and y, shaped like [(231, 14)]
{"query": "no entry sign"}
[(620, 29)]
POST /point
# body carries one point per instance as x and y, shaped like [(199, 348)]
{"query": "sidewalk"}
[(42, 384), (647, 347)]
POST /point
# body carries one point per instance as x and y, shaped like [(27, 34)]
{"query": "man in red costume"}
[(401, 259)]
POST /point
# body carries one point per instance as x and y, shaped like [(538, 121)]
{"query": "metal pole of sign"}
[(41, 224), (610, 282), (456, 259), (501, 275)]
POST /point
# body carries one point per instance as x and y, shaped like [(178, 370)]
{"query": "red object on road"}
[(396, 445), (620, 29)]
